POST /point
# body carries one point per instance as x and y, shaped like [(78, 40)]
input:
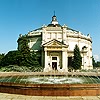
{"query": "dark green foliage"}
[(93, 62), (77, 59), (1, 56), (21, 57), (10, 58), (96, 64), (24, 48), (15, 68), (27, 58)]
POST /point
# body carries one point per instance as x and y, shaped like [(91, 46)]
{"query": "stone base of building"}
[(48, 69), (87, 67)]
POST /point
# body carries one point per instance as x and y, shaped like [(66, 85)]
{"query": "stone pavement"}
[(6, 96)]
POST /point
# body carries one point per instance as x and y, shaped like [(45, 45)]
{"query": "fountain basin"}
[(51, 89), (45, 89)]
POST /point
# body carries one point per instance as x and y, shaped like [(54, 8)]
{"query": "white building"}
[(56, 44)]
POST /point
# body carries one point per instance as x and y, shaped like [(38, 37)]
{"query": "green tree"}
[(21, 57), (1, 56), (24, 51), (97, 64), (10, 58), (93, 62), (27, 58), (77, 59), (24, 48)]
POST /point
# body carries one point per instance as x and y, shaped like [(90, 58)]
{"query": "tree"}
[(10, 58), (21, 57), (24, 48), (24, 51), (27, 58), (97, 64), (1, 56), (77, 59), (93, 62)]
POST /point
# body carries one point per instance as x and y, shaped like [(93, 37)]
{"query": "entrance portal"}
[(54, 65)]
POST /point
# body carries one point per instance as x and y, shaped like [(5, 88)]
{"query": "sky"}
[(21, 16)]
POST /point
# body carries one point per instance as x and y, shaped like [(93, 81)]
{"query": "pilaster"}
[(64, 33), (44, 34)]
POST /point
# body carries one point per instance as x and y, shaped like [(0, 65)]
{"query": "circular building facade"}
[(56, 44)]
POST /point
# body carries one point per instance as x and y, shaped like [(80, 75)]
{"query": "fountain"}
[(51, 84)]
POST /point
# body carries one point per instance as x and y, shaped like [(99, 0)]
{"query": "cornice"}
[(80, 37)]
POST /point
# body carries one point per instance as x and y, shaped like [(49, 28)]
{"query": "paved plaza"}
[(6, 96)]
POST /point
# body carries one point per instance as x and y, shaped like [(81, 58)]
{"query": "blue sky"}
[(20, 16)]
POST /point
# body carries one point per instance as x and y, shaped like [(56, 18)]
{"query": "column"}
[(42, 58), (64, 61), (45, 59), (46, 69)]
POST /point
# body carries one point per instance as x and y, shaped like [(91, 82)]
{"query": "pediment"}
[(54, 43)]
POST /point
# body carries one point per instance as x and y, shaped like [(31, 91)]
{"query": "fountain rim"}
[(51, 89), (49, 73)]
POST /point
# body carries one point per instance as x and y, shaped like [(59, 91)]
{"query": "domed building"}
[(56, 44)]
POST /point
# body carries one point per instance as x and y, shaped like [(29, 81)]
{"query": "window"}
[(59, 35), (49, 35), (54, 35), (54, 58)]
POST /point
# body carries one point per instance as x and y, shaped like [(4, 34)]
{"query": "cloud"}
[(96, 57)]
